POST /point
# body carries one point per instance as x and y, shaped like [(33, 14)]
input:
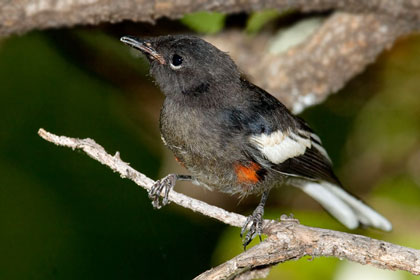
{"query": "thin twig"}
[(286, 239), (97, 152)]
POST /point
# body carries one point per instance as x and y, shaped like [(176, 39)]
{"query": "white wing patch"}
[(278, 147)]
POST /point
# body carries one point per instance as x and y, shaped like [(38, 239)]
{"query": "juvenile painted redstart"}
[(235, 137)]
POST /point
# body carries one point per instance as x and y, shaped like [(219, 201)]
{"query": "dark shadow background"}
[(64, 216)]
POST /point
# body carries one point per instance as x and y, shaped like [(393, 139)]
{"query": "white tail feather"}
[(337, 207), (366, 215), (346, 208)]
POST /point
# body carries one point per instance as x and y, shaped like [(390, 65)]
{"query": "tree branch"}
[(289, 240), (18, 16), (306, 74), (286, 239)]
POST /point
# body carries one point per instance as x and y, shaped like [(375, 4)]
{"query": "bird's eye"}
[(176, 62)]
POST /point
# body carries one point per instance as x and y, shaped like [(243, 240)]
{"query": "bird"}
[(235, 137)]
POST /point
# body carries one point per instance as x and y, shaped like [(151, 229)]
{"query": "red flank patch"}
[(247, 173)]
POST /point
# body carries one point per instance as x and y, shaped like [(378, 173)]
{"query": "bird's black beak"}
[(143, 46)]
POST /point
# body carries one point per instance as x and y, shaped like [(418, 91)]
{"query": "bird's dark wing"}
[(311, 165), (282, 142)]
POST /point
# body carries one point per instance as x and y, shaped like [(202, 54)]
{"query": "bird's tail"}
[(346, 208)]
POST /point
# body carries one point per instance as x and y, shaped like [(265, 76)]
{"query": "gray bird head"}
[(186, 65)]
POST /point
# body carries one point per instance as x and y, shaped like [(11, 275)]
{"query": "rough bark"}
[(17, 16), (305, 75), (288, 240)]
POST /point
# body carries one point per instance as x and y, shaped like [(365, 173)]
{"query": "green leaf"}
[(257, 20), (205, 22)]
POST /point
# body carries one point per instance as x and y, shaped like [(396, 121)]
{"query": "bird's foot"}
[(163, 185), (255, 224)]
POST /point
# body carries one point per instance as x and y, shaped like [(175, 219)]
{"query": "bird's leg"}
[(164, 185), (255, 222)]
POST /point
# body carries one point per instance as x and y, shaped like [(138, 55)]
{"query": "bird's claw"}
[(163, 185), (255, 223)]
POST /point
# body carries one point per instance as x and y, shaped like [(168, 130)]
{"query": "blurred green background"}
[(65, 216)]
